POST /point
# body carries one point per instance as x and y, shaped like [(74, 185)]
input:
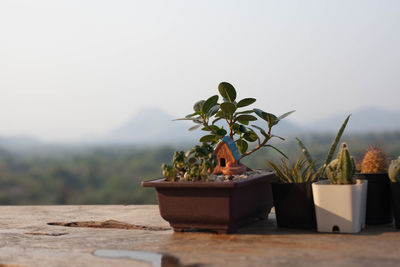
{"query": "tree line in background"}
[(112, 175)]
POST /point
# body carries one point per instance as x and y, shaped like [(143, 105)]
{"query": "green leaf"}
[(198, 105), (194, 127), (208, 138), (269, 117), (213, 127), (235, 127), (245, 112), (228, 108), (227, 91), (262, 131), (242, 128), (213, 110), (277, 136), (220, 114), (242, 146), (209, 103), (217, 119), (336, 141), (193, 114), (221, 132), (250, 136), (306, 153), (260, 113), (286, 114), (246, 118), (245, 102), (188, 119)]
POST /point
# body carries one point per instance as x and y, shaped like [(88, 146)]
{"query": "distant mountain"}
[(156, 127), (152, 126), (363, 120), (19, 142)]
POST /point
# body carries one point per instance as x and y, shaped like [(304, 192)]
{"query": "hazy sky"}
[(73, 68)]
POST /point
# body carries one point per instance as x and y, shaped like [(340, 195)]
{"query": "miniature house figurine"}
[(228, 156)]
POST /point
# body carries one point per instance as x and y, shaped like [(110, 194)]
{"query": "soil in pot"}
[(379, 210), (395, 193), (294, 205)]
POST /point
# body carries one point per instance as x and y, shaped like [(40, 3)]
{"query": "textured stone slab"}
[(27, 240)]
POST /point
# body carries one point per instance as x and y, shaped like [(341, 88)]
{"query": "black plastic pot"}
[(294, 205), (395, 190), (379, 210)]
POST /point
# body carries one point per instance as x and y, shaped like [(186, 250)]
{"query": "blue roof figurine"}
[(228, 156)]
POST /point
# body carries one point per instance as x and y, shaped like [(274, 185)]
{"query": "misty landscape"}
[(90, 90), (108, 169)]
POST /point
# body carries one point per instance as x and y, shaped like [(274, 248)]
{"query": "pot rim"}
[(359, 182), (161, 182)]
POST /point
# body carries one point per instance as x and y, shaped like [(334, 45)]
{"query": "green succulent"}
[(169, 172), (194, 165), (300, 172)]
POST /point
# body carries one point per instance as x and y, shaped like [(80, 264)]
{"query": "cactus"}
[(394, 170), (341, 170), (375, 161)]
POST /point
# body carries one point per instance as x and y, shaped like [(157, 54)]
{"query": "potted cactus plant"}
[(340, 202), (394, 175), (374, 169), (293, 197), (209, 188)]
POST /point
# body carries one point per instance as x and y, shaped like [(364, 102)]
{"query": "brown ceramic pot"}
[(221, 207)]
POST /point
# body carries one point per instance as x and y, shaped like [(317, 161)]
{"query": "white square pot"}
[(340, 208)]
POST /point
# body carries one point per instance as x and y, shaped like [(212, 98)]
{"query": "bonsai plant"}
[(189, 197), (374, 169), (340, 202), (293, 198), (224, 123), (394, 175)]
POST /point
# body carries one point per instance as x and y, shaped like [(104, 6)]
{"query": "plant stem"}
[(260, 145)]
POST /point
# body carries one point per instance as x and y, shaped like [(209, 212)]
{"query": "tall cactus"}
[(394, 170), (341, 170)]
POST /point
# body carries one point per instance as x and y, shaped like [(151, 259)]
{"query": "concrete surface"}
[(27, 240)]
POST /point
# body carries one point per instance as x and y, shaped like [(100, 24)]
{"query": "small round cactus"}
[(375, 161), (394, 170)]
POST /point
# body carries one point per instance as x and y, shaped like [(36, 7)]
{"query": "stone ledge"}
[(27, 240)]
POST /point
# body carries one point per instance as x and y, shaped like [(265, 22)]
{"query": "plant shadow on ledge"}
[(210, 189)]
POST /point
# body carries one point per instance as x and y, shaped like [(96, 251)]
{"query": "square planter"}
[(340, 208), (395, 192), (294, 205), (379, 208), (217, 206)]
